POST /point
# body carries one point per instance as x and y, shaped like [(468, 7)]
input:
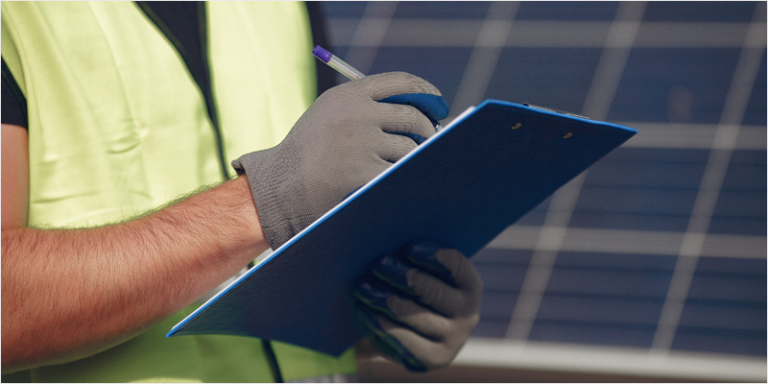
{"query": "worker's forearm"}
[(67, 294)]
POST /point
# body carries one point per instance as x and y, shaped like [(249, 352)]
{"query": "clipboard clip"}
[(555, 111)]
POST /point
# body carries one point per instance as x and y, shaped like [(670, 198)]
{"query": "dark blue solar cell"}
[(554, 78), (646, 175), (741, 204), (732, 287), (497, 304), (728, 265), (621, 262), (720, 341), (608, 283), (591, 309), (491, 327), (726, 308), (748, 157), (642, 168), (635, 335), (501, 277), (346, 9), (746, 172), (630, 221), (696, 314), (756, 108), (732, 11), (738, 226), (442, 10), (636, 200), (657, 155), (567, 10), (439, 66), (653, 75), (741, 211), (495, 256)]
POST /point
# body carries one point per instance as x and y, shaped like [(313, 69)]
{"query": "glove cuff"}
[(275, 194)]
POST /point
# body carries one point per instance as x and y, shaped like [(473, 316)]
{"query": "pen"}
[(339, 65), (344, 68)]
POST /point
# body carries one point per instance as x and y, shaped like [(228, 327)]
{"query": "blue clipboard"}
[(461, 188)]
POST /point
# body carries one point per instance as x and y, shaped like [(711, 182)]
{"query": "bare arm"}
[(68, 294), (15, 177)]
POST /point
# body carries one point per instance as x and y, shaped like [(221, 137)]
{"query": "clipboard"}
[(460, 188)]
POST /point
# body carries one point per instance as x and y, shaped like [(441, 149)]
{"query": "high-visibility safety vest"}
[(117, 127)]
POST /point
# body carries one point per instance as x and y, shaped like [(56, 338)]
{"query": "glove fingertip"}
[(385, 342), (404, 357), (368, 317), (372, 296), (432, 106), (393, 271), (423, 253)]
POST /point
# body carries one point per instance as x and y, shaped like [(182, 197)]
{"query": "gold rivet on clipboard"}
[(516, 126), (567, 135)]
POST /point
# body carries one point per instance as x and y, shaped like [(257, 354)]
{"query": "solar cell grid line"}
[(691, 34), (633, 242), (725, 141), (692, 136), (485, 55), (599, 97), (448, 33)]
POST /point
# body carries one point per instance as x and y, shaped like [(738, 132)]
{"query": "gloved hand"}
[(421, 305), (342, 141)]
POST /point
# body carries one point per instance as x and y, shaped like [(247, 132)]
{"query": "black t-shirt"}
[(183, 23), (14, 104)]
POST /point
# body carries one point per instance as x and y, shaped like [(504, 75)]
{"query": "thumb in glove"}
[(421, 305)]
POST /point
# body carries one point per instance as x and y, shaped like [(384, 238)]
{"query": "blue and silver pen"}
[(344, 68)]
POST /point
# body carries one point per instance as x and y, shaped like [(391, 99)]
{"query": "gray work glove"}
[(421, 304), (342, 141)]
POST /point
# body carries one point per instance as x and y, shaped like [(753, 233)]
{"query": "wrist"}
[(221, 226), (247, 214)]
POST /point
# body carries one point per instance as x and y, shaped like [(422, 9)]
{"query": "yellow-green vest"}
[(117, 127)]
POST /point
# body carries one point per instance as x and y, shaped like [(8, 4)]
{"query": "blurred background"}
[(650, 266)]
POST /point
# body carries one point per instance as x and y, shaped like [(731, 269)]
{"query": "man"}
[(121, 107)]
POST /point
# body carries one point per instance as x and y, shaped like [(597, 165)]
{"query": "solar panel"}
[(665, 240)]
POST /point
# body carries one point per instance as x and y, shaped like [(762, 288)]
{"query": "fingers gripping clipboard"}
[(461, 188)]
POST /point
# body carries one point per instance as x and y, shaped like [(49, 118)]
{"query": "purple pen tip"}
[(322, 54)]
